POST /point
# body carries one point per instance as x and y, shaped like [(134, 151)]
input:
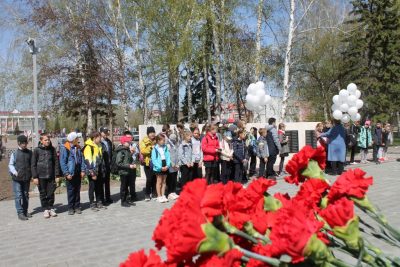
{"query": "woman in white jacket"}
[(226, 157)]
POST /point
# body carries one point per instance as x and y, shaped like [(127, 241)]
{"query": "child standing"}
[(197, 154), (262, 151), (239, 155), (161, 161), (365, 140), (126, 170), (172, 176), (210, 147), (185, 157), (226, 157), (283, 139), (20, 171)]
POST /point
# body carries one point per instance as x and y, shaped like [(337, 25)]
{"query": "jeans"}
[(74, 192), (171, 182), (106, 181), (21, 193), (150, 182), (47, 187), (253, 163), (238, 176), (96, 189), (197, 171), (261, 169), (270, 165), (375, 152), (226, 171), (364, 154)]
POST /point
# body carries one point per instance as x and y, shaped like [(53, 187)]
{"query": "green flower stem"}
[(379, 218), (230, 229), (249, 229), (252, 255)]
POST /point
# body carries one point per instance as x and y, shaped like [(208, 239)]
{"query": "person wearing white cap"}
[(73, 169)]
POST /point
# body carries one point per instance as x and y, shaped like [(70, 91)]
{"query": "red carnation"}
[(311, 192), (140, 259), (211, 203), (338, 213), (300, 161), (294, 227), (236, 204), (351, 183), (231, 258), (255, 191)]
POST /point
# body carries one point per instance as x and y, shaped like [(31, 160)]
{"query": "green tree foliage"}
[(372, 57)]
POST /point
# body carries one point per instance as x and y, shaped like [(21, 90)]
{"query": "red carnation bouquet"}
[(229, 225)]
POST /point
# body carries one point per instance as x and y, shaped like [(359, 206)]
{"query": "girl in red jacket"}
[(211, 149)]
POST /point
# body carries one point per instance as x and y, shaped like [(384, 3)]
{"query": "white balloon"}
[(337, 114), (335, 99), (260, 93), (267, 99), (345, 118), (351, 100), (357, 93), (260, 85), (356, 117), (251, 89), (344, 107), (352, 87), (344, 93), (251, 101), (334, 107), (359, 103), (352, 111)]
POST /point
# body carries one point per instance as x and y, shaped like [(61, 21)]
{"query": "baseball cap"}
[(104, 129), (73, 135)]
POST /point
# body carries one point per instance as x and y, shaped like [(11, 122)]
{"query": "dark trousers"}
[(270, 165), (106, 181), (186, 174), (337, 167), (171, 182), (74, 191), (197, 171), (261, 169), (253, 163), (150, 181), (47, 187), (21, 194), (128, 181), (238, 176), (226, 171), (96, 189), (212, 173), (375, 152), (281, 164), (352, 153)]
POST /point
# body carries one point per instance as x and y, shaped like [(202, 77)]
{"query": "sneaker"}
[(93, 207), (131, 203), (71, 212), (147, 198), (46, 214), (125, 204), (28, 215), (78, 210), (101, 206), (22, 217), (53, 213), (163, 199), (173, 196)]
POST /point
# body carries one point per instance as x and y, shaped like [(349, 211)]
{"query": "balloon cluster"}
[(347, 103), (256, 97)]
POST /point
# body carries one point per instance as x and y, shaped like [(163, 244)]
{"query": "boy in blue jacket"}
[(73, 169)]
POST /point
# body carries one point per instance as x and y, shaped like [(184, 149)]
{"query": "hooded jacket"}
[(262, 147), (71, 159), (93, 156), (45, 162), (173, 151), (123, 160), (146, 146), (239, 150), (185, 153), (274, 146), (157, 160), (209, 145)]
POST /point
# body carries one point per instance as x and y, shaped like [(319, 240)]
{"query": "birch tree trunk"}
[(223, 73), (207, 89), (189, 93), (286, 74), (258, 40), (142, 87), (217, 59)]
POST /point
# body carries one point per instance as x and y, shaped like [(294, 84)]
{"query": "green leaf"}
[(313, 170), (271, 203), (215, 241)]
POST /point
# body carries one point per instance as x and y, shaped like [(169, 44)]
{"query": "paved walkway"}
[(105, 238)]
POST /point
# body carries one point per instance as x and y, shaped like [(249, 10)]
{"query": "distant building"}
[(24, 119)]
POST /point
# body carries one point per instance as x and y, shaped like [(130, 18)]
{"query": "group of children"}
[(226, 151)]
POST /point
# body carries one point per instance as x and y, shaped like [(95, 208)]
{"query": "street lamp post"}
[(34, 50)]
